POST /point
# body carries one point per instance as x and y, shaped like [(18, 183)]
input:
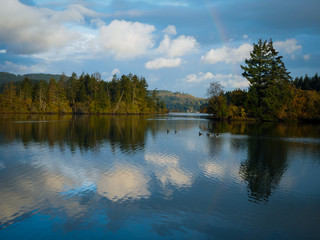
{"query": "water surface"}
[(156, 177)]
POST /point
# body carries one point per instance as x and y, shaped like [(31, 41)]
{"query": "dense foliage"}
[(308, 83), (271, 95), (181, 102), (84, 94)]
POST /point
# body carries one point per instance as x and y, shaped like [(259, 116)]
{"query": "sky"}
[(176, 45)]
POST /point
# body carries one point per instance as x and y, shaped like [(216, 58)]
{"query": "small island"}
[(272, 94)]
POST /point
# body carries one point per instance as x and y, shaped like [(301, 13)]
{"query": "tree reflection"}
[(83, 131), (267, 152), (263, 169)]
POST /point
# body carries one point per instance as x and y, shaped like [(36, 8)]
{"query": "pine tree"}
[(269, 89)]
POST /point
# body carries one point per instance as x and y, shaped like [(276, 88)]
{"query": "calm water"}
[(106, 177)]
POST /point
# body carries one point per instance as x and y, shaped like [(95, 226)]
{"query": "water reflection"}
[(123, 183), (264, 166), (84, 131), (114, 175), (168, 170)]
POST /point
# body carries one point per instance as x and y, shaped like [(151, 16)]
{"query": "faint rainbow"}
[(217, 22), (221, 31)]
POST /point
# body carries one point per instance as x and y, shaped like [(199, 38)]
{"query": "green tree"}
[(26, 89), (40, 96), (72, 88), (217, 103), (269, 90)]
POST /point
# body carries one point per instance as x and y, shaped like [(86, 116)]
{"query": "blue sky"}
[(176, 45)]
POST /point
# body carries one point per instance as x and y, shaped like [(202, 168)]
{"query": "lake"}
[(157, 177)]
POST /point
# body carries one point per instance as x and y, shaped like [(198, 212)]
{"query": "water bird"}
[(168, 131), (213, 134), (175, 131), (200, 133)]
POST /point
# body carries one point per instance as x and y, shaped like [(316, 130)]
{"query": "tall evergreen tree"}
[(269, 89)]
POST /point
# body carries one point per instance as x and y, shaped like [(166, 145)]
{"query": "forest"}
[(272, 94), (181, 102), (86, 93)]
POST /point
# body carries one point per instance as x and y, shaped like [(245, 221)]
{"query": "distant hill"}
[(181, 102), (9, 77)]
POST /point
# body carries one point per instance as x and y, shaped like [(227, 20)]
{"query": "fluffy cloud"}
[(197, 78), (231, 80), (228, 54), (177, 47), (172, 49), (170, 30), (26, 29), (226, 80), (163, 63), (126, 39), (288, 47)]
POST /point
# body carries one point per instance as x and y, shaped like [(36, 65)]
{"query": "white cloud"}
[(22, 69), (226, 80), (170, 30), (27, 29), (177, 47), (288, 47), (245, 36), (163, 63), (115, 71), (83, 48), (227, 54), (108, 76), (3, 51), (231, 80), (97, 22), (171, 50), (126, 39), (306, 57), (197, 78)]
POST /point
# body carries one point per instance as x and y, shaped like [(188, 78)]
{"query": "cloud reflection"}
[(168, 170), (123, 183), (212, 169), (2, 165)]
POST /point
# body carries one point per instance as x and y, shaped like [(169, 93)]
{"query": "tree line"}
[(81, 94), (272, 94)]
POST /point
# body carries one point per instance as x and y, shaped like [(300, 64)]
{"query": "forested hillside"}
[(84, 94), (6, 77), (181, 102), (9, 77)]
